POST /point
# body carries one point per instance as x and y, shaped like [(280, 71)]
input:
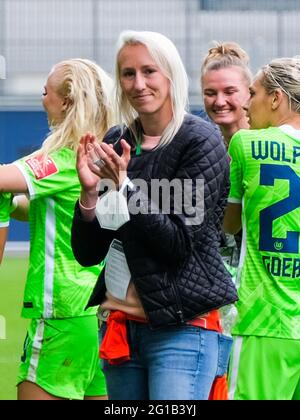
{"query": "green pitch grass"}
[(12, 280)]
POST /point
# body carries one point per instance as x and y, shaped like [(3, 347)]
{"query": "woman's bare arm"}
[(233, 218), (3, 237)]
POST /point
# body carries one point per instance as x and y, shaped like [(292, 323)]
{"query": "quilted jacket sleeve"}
[(203, 175), (90, 243)]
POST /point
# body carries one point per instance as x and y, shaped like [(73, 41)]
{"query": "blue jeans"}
[(174, 363)]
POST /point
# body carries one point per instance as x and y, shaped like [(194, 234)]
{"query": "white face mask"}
[(112, 210)]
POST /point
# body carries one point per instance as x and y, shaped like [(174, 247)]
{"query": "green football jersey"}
[(57, 286), (265, 179), (5, 204)]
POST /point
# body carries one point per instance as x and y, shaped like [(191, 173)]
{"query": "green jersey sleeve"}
[(236, 170), (48, 177), (5, 204)]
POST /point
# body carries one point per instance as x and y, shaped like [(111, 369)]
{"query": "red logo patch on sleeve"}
[(40, 168)]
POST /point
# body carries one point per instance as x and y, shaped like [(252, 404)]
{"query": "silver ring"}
[(100, 163)]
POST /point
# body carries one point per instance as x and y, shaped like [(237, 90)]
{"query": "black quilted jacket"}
[(175, 265)]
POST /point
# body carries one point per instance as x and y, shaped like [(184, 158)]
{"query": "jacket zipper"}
[(178, 302)]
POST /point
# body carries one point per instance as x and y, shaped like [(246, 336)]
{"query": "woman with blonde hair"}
[(225, 81), (265, 185), (164, 277), (60, 359)]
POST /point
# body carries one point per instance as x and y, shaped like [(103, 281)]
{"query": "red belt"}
[(115, 347), (211, 321)]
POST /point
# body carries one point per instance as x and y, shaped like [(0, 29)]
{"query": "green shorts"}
[(62, 357), (264, 368)]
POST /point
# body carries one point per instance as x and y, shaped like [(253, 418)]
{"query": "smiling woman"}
[(151, 254), (146, 87), (225, 80)]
